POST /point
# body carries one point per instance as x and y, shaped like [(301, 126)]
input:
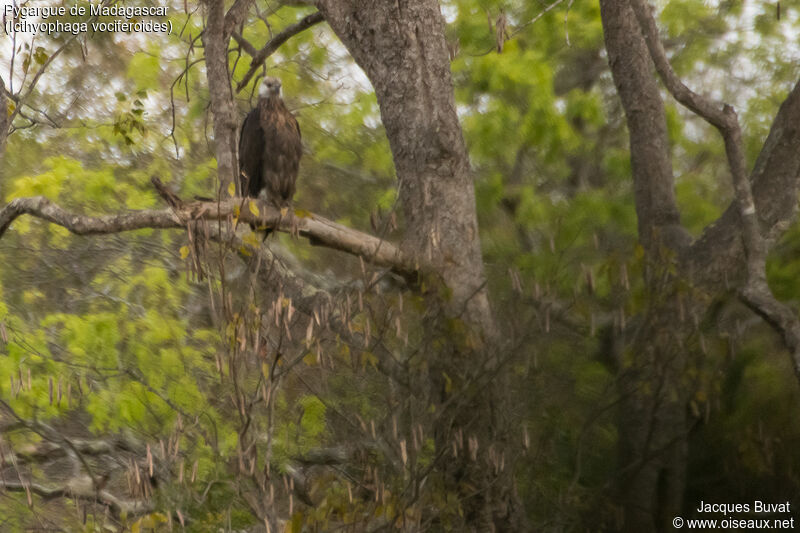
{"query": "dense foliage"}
[(124, 339)]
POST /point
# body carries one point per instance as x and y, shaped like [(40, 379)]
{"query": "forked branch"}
[(756, 292)]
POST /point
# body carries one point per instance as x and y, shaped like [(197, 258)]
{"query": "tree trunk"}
[(215, 46), (652, 422), (4, 127), (402, 49), (652, 425)]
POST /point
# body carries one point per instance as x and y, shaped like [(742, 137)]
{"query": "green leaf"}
[(40, 55)]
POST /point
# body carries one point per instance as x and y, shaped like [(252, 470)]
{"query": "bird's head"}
[(269, 87)]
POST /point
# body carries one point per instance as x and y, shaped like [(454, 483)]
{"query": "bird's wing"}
[(298, 146), (296, 126), (251, 150)]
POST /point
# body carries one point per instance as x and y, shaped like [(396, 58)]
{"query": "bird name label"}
[(101, 18)]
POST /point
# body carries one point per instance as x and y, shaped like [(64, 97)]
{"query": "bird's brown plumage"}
[(270, 148)]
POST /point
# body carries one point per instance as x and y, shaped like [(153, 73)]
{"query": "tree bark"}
[(319, 230), (652, 425), (653, 183), (4, 127), (730, 254), (715, 257), (215, 45), (401, 47)]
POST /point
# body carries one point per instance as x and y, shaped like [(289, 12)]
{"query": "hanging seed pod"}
[(624, 276), (589, 279), (309, 331)]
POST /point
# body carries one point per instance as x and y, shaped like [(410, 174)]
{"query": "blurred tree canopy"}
[(591, 323)]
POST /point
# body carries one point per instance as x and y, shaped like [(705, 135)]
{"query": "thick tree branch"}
[(236, 15), (274, 44), (777, 168), (715, 258), (41, 207), (246, 45), (758, 296), (320, 231)]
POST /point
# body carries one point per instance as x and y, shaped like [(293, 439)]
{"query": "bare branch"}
[(5, 123), (47, 432), (775, 178), (22, 96), (246, 45), (320, 231), (275, 43), (41, 207), (782, 318)]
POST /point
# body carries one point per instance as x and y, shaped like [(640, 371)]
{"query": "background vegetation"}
[(121, 340)]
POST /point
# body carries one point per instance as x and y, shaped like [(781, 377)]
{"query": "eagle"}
[(270, 148)]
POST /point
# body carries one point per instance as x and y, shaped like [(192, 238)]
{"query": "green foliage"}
[(113, 336)]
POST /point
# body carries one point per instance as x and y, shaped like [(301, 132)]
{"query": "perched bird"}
[(270, 148)]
